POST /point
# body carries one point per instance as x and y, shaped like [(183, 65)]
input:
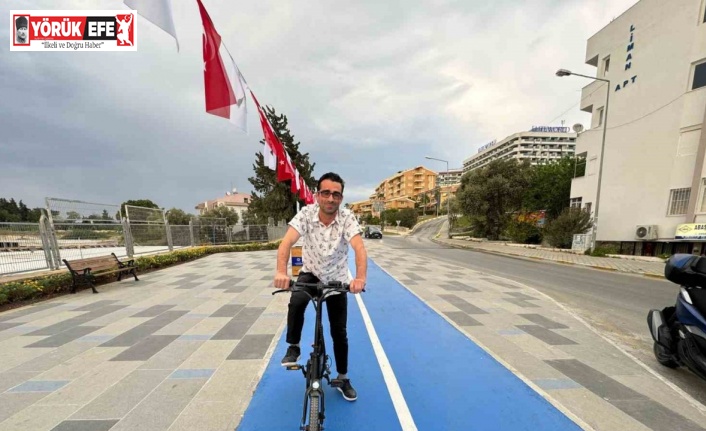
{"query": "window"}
[(245, 200), (575, 202), (599, 112), (699, 76), (678, 201), (606, 66), (588, 207)]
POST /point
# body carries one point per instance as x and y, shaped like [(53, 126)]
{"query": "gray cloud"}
[(369, 88)]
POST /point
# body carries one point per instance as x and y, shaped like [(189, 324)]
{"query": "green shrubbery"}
[(603, 250), (32, 288), (524, 232)]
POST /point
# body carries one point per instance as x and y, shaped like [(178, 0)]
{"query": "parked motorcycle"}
[(679, 332)]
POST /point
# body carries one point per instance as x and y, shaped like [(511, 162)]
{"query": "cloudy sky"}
[(370, 87)]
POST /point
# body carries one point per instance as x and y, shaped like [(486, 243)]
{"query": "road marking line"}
[(393, 387)]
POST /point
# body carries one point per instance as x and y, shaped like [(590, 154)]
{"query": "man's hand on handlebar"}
[(282, 280), (357, 285)]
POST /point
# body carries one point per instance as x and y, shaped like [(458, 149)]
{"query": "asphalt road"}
[(616, 304)]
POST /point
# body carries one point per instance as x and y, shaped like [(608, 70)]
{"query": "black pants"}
[(337, 307)]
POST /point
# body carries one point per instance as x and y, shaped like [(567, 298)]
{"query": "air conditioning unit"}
[(646, 232)]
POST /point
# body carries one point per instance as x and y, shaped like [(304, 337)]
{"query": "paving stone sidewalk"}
[(184, 349)]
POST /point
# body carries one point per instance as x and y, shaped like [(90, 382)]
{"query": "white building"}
[(237, 202), (539, 145), (653, 178), (450, 177)]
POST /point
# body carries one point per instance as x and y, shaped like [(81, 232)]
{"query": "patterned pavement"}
[(184, 349)]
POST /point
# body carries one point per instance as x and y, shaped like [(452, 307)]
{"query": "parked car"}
[(373, 232)]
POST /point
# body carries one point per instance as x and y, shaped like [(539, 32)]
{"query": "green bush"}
[(31, 288), (560, 231), (524, 232)]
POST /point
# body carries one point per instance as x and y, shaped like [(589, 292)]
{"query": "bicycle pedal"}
[(336, 383), (294, 367)]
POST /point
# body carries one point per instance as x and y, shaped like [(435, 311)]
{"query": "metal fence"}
[(148, 229), (76, 230), (81, 240), (210, 231), (182, 236), (22, 248)]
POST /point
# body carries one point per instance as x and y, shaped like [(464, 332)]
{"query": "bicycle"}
[(318, 367)]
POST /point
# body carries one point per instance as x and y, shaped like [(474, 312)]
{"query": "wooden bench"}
[(84, 271)]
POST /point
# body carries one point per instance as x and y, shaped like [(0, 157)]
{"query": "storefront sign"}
[(549, 129), (690, 231), (488, 145)]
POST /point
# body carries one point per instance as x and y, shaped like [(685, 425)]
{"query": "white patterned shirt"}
[(325, 250)]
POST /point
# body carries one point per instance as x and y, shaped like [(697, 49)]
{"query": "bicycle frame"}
[(318, 366)]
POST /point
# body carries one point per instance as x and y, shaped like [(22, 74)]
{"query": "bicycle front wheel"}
[(314, 424)]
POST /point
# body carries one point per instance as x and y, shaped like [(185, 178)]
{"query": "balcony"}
[(593, 95)]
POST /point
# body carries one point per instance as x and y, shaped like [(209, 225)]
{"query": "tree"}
[(9, 211), (176, 217), (560, 232), (407, 217), (249, 218), (550, 187), (453, 205), (73, 215), (146, 203), (222, 212), (270, 197), (23, 210), (489, 195), (105, 215), (388, 217), (34, 215)]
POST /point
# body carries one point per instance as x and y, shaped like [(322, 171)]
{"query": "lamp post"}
[(564, 72), (448, 200)]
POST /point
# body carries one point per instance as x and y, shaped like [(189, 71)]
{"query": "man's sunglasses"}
[(327, 194)]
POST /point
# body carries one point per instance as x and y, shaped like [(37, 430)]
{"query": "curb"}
[(515, 256)]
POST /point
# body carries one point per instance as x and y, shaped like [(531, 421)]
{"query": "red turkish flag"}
[(271, 141), (303, 189), (224, 85), (309, 197)]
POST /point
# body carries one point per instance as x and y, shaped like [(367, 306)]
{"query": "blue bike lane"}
[(446, 381)]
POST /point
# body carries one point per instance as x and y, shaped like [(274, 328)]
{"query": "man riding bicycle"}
[(327, 230)]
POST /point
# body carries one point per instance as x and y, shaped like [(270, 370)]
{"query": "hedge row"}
[(32, 288)]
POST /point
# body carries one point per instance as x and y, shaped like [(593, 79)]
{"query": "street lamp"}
[(564, 72), (448, 195)]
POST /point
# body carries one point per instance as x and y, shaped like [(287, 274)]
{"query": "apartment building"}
[(406, 183), (538, 145), (447, 178), (653, 186)]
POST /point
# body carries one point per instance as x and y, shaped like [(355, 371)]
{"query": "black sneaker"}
[(346, 389), (291, 357)]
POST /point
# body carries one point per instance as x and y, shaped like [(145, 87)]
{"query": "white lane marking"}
[(393, 387)]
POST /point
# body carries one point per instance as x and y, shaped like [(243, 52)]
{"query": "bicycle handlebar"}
[(332, 286)]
